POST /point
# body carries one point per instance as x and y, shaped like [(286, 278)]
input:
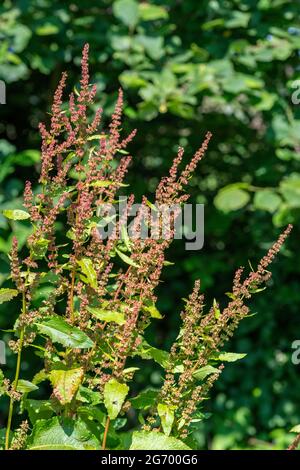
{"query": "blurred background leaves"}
[(227, 66)]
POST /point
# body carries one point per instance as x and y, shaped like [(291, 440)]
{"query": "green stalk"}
[(15, 384), (105, 433)]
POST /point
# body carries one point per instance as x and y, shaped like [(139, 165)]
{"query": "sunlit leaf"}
[(15, 214), (25, 386), (114, 397), (231, 199), (127, 11), (62, 332), (7, 294), (107, 315), (62, 434), (145, 399), (88, 270), (126, 259), (205, 371), (65, 383), (230, 357), (142, 440), (167, 416)]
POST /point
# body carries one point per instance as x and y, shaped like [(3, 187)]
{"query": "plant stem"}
[(73, 273), (71, 301), (105, 432), (295, 443), (15, 384), (121, 284)]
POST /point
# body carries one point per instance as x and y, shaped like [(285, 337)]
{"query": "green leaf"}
[(238, 19), (151, 205), (7, 294), (178, 369), (38, 409), (231, 199), (92, 412), (130, 370), (65, 383), (145, 399), (71, 234), (24, 386), (290, 189), (126, 259), (114, 397), (87, 395), (208, 25), (154, 47), (47, 29), (296, 429), (168, 263), (150, 308), (283, 216), (97, 137), (127, 11), (166, 414), (90, 275), (131, 79), (40, 247), (125, 237), (15, 214), (107, 315), (61, 332), (27, 157), (217, 311), (2, 388), (142, 440), (106, 184), (148, 12), (40, 377), (230, 357), (62, 434), (146, 351), (267, 200), (205, 371)]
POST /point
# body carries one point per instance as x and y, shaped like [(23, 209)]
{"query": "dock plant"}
[(89, 329)]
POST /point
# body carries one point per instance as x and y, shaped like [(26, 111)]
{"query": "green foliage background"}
[(186, 66)]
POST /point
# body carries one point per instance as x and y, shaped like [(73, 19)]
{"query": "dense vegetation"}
[(228, 67)]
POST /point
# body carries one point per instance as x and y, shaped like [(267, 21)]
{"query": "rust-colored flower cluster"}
[(204, 334)]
